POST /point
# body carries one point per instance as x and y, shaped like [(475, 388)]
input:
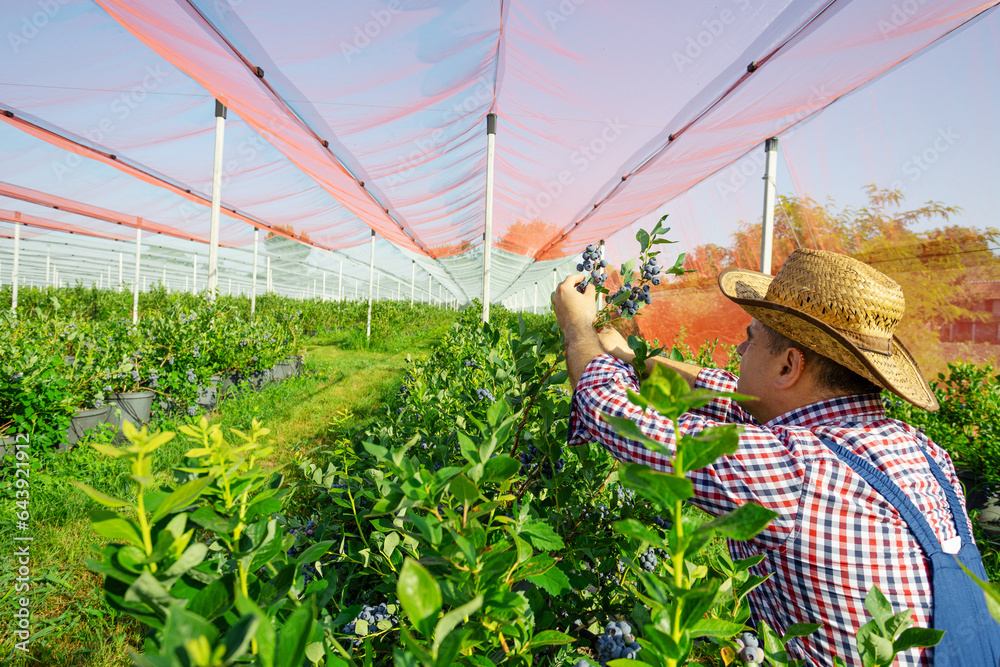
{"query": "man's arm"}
[(575, 313), (615, 344)]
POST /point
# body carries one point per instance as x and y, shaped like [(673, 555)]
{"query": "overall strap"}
[(961, 525), (879, 481)]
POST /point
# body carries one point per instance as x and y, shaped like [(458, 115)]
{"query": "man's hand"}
[(575, 311)]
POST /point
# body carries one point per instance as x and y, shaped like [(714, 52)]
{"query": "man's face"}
[(755, 368)]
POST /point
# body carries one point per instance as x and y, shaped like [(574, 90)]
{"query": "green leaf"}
[(743, 523), (294, 635), (633, 528), (464, 489), (554, 581), (116, 527), (662, 488), (631, 430), (453, 618), (181, 497), (239, 636), (550, 638), (800, 630), (878, 607), (182, 627), (541, 536), (265, 635), (700, 450), (420, 594), (713, 627), (500, 469), (213, 600), (103, 498), (878, 648), (390, 543), (642, 236), (913, 637), (627, 662), (314, 552)]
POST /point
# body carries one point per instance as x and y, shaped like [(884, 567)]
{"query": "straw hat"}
[(837, 307)]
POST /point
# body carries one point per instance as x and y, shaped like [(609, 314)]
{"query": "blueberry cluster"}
[(371, 619), (192, 410), (98, 403), (485, 395), (191, 377), (750, 652), (625, 494), (533, 454), (469, 363), (636, 296), (196, 352), (154, 380), (135, 376), (591, 264), (651, 271), (612, 577), (617, 641), (662, 523), (647, 561)]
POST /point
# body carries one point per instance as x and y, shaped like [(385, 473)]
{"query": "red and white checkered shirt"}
[(834, 537)]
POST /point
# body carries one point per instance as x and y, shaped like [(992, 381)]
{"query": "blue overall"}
[(972, 637)]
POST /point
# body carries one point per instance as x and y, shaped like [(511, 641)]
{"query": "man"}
[(862, 500)]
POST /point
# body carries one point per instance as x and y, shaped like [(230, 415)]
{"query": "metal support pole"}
[(163, 280), (430, 294), (229, 288), (413, 279), (109, 275), (324, 286), (253, 273), (194, 275), (491, 132), (135, 282), (213, 233), (371, 281), (767, 229), (17, 260), (340, 282)]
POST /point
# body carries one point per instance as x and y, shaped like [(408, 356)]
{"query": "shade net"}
[(344, 118)]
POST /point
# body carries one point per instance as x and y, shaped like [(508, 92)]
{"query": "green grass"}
[(72, 625)]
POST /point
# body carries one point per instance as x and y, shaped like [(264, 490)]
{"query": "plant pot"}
[(296, 361), (283, 369), (133, 406), (207, 396), (229, 384), (259, 378), (81, 422)]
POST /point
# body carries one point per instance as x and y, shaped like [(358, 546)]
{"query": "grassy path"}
[(73, 625)]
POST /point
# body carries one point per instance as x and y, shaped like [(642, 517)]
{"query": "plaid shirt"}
[(834, 537)]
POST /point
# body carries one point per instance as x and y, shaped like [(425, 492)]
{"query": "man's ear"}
[(791, 368)]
